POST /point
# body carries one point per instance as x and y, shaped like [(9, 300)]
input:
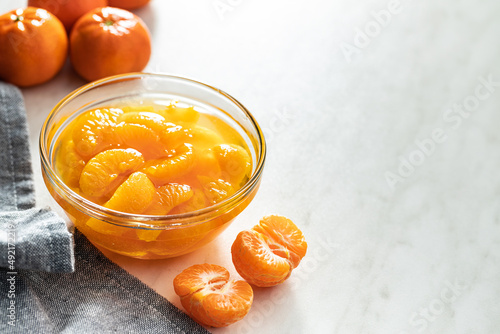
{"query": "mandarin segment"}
[(284, 232), (149, 119), (163, 171), (210, 297), (216, 190), (266, 255), (203, 138), (174, 136), (169, 196), (179, 114), (196, 202), (71, 165), (141, 138), (94, 131), (132, 196), (235, 162), (107, 169), (138, 108), (256, 262), (206, 165)]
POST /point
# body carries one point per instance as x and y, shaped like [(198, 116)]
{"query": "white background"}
[(421, 256)]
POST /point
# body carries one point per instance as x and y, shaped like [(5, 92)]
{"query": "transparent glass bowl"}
[(175, 234)]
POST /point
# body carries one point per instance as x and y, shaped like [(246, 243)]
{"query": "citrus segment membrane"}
[(106, 170), (210, 297), (71, 164), (266, 254), (162, 171), (216, 190), (196, 202), (132, 196), (235, 162), (179, 114), (202, 138), (168, 197), (284, 233), (94, 131), (151, 120), (141, 138)]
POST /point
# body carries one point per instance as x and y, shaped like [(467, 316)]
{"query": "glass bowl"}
[(174, 234)]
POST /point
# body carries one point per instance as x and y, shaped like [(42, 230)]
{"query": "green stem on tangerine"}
[(109, 23)]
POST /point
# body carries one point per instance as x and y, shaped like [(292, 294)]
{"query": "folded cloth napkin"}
[(40, 293), (30, 238), (99, 297)]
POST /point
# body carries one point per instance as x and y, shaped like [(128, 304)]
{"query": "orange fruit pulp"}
[(153, 159), (33, 46), (210, 297), (266, 254)]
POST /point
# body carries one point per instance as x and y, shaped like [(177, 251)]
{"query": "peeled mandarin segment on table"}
[(105, 171), (266, 255), (210, 297), (282, 231)]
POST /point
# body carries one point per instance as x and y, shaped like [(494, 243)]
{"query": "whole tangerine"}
[(33, 46), (128, 4), (68, 11), (109, 41)]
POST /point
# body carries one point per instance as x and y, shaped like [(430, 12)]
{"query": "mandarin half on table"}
[(109, 41), (33, 46), (210, 297), (68, 11), (266, 254)]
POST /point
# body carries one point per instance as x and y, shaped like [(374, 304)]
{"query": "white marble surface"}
[(420, 257)]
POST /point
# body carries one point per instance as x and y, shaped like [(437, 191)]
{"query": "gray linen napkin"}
[(99, 297), (39, 292), (30, 238)]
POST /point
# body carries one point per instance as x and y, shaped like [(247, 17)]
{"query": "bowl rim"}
[(139, 220)]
